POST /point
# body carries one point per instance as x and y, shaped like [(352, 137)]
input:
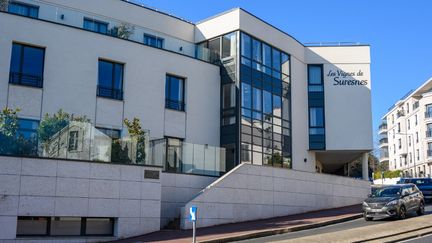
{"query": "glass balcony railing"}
[(188, 158), (104, 25), (61, 136)]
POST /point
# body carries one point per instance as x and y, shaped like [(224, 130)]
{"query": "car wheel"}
[(421, 209), (402, 213), (366, 217)]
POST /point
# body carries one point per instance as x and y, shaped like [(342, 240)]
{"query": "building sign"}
[(342, 78), (151, 174)]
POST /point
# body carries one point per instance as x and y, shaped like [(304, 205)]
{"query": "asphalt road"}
[(334, 228)]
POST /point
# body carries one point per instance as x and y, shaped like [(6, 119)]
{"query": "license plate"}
[(375, 210)]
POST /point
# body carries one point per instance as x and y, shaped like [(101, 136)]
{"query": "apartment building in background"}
[(406, 133), (237, 115)]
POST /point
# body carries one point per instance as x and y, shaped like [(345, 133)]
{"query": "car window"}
[(414, 189), (386, 192)]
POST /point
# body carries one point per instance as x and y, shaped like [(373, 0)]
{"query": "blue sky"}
[(399, 32)]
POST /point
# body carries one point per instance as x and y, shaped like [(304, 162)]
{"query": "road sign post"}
[(193, 218)]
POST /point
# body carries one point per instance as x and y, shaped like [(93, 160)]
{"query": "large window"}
[(316, 107), (265, 100), (154, 41), (316, 120), (110, 81), (174, 93), (64, 226), (27, 65), (95, 26), (173, 155), (23, 9)]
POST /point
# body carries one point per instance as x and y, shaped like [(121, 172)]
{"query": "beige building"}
[(406, 133)]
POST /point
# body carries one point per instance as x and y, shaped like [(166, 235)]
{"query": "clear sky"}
[(399, 32)]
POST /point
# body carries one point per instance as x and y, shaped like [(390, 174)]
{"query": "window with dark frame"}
[(27, 65), (112, 133), (174, 93), (110, 80), (316, 107), (73, 141), (64, 226), (23, 9), (95, 26), (154, 41)]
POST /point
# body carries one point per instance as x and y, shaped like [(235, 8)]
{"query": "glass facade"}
[(265, 108), (256, 100), (95, 26), (154, 41)]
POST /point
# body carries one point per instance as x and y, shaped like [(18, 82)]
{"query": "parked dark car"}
[(394, 201), (424, 184)]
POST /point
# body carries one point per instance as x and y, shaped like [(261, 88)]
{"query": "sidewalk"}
[(253, 229)]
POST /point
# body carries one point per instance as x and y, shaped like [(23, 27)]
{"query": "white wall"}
[(71, 73), (348, 108), (251, 192), (40, 187), (177, 190)]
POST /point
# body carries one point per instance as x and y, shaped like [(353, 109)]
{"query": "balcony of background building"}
[(80, 141), (383, 142), (103, 25), (382, 128), (428, 115), (429, 134)]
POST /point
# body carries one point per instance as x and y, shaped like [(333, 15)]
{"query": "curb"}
[(281, 231)]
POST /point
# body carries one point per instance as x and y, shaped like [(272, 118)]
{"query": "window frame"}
[(39, 80), (99, 23), (156, 39), (27, 6), (180, 104), (116, 94)]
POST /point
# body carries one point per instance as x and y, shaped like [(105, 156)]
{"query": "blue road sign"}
[(192, 214)]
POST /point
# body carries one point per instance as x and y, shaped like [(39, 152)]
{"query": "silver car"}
[(394, 201)]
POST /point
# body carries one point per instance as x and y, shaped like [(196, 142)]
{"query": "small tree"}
[(52, 124), (124, 30), (138, 135), (8, 130)]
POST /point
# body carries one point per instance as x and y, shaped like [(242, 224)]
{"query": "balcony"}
[(103, 25), (428, 114), (382, 128), (383, 142), (429, 134), (429, 153)]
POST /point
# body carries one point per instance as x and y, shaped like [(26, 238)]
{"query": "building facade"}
[(405, 134), (209, 96)]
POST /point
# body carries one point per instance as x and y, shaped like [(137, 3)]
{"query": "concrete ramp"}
[(251, 192)]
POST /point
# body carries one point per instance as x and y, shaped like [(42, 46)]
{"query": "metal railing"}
[(340, 43), (429, 133), (25, 79), (429, 153), (174, 104), (428, 114), (116, 94), (117, 28)]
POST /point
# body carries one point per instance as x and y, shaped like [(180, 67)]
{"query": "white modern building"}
[(406, 133), (240, 119)]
